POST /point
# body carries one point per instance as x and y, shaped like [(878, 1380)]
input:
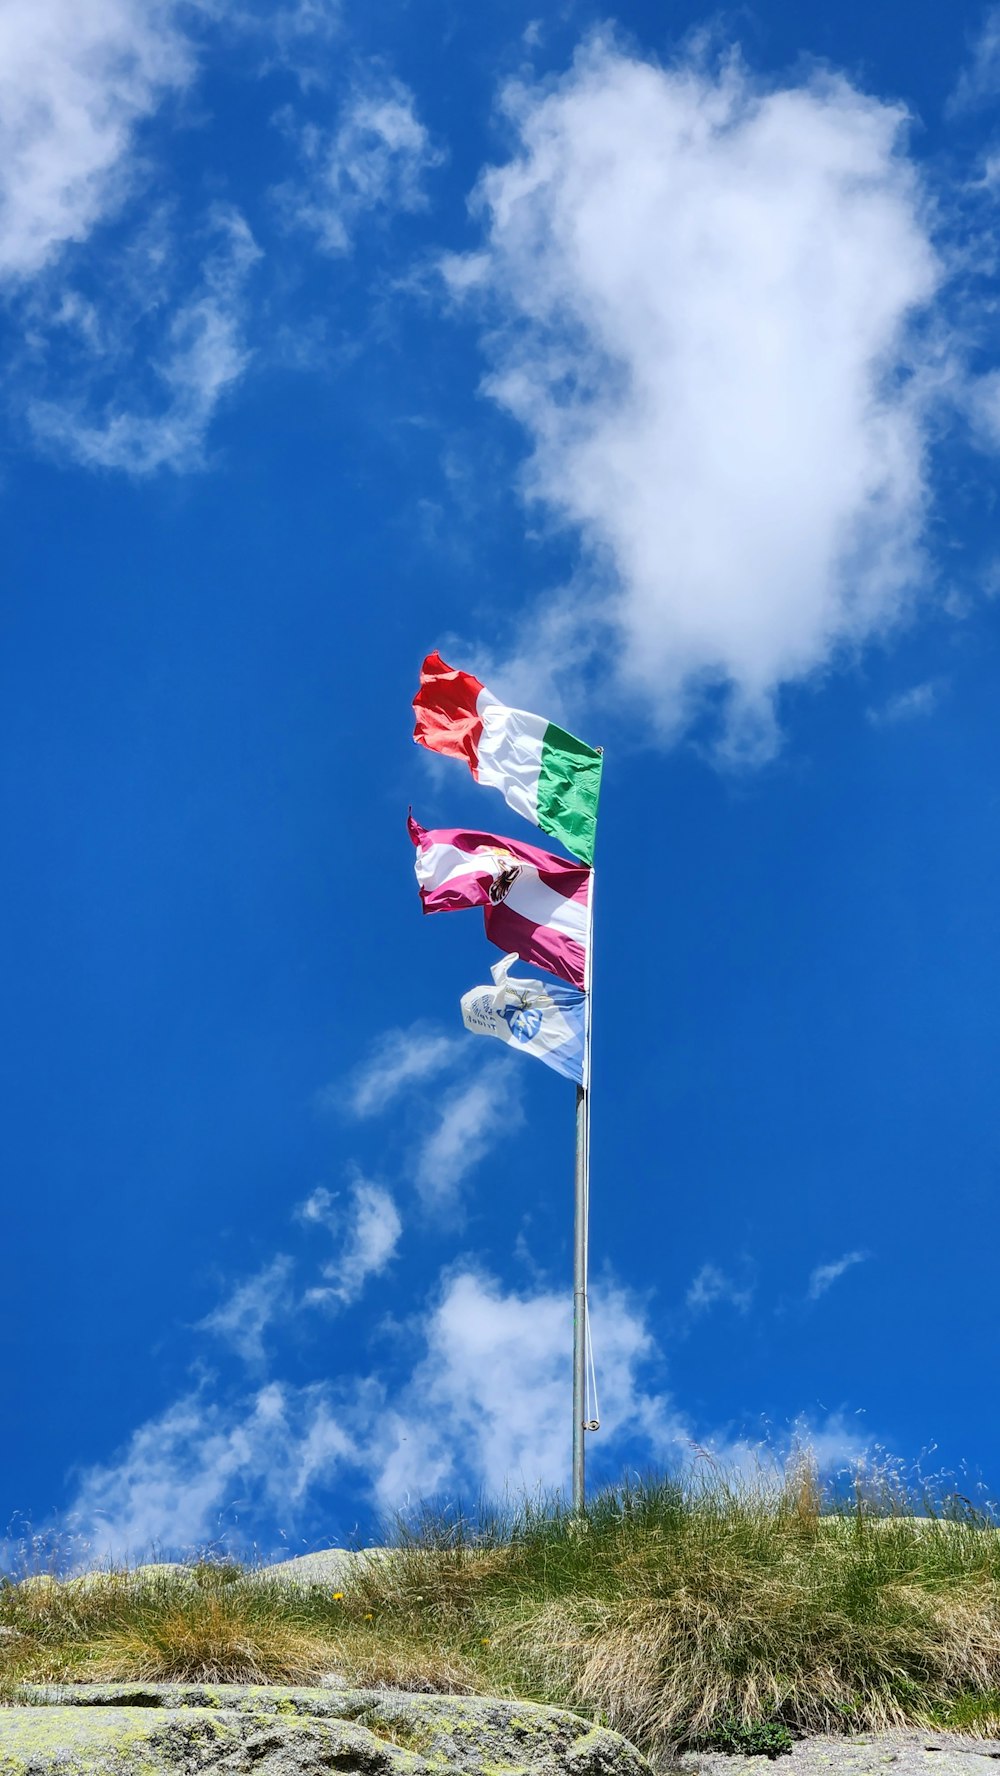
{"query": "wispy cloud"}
[(374, 162), (492, 1389), (366, 1228), (979, 79), (75, 81), (202, 354), (920, 699), (696, 290), (835, 1442), (242, 1319), (298, 36), (481, 1407), (203, 1465), (484, 1405), (399, 1059), (472, 1120), (319, 1209), (369, 1231), (712, 1285), (825, 1275)]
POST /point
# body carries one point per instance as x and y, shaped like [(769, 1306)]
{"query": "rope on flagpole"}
[(593, 1423)]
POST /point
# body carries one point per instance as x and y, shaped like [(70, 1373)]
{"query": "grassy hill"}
[(679, 1612)]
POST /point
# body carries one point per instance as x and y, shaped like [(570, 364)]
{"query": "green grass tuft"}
[(749, 1739)]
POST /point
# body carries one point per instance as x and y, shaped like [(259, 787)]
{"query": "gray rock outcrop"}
[(184, 1729), (908, 1751), (328, 1566)]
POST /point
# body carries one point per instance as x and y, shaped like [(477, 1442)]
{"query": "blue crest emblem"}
[(524, 1021)]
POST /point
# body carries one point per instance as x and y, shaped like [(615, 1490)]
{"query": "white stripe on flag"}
[(510, 753), (437, 864), (536, 901)]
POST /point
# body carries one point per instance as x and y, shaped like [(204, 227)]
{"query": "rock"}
[(150, 1574), (129, 1576), (233, 1730), (906, 1752), (329, 1566)]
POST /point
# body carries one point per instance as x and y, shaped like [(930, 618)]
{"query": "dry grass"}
[(679, 1606), (669, 1667), (224, 1627), (166, 1630), (673, 1608), (208, 1642)]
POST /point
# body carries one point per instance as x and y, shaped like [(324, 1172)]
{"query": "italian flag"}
[(542, 772)]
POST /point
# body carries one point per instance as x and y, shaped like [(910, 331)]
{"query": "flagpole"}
[(580, 1302), (581, 1238)]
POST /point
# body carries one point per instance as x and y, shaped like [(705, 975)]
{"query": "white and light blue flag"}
[(544, 1019)]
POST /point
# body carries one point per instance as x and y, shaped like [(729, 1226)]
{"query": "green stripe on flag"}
[(569, 784)]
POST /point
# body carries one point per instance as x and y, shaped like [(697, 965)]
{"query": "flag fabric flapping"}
[(547, 1020), (534, 903), (547, 775)]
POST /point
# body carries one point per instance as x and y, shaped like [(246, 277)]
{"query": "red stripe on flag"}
[(537, 944), (445, 707)]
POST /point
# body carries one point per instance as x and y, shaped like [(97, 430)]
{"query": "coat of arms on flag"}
[(534, 903)]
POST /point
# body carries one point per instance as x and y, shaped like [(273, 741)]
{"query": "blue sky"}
[(648, 366)]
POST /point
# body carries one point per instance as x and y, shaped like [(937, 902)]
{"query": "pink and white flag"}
[(533, 903)]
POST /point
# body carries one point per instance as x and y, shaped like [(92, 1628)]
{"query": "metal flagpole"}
[(581, 1237), (580, 1301)]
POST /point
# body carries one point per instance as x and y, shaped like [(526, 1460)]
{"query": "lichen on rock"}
[(233, 1730)]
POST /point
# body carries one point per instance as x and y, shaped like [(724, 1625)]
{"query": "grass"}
[(680, 1611)]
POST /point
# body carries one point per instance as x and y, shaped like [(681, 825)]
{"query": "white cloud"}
[(253, 1305), (202, 355), (488, 1405), (483, 1407), (306, 18), (979, 80), (920, 699), (711, 1286), (372, 1234), (76, 78), (699, 294), (399, 1059), (296, 37), (834, 1443), (473, 1120), (302, 21), (186, 1477), (980, 397), (367, 1230), (375, 160), (825, 1275), (319, 1209)]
